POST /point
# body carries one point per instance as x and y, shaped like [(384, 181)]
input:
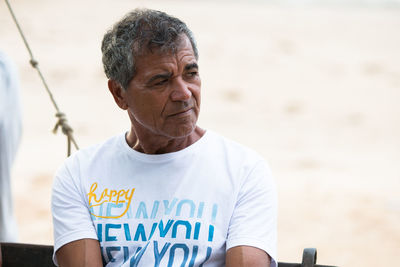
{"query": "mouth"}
[(181, 113)]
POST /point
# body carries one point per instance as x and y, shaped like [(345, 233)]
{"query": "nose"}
[(180, 90)]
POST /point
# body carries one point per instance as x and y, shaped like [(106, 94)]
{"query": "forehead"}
[(152, 59)]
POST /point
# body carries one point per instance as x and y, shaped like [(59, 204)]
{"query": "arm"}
[(75, 238), (242, 256), (80, 253), (252, 232)]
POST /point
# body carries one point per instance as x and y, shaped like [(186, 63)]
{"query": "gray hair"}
[(138, 30)]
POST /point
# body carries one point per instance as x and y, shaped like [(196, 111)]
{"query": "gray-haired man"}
[(167, 192)]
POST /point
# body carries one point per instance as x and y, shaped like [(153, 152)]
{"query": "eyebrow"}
[(191, 66), (168, 74)]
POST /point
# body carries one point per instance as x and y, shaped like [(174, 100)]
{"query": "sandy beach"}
[(314, 89)]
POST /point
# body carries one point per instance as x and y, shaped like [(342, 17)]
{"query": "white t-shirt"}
[(184, 208), (10, 135)]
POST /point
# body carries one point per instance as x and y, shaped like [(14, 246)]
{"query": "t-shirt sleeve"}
[(254, 219), (71, 217)]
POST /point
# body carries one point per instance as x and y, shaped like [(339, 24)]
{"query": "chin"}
[(181, 131)]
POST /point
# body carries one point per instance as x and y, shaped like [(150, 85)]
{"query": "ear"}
[(118, 93)]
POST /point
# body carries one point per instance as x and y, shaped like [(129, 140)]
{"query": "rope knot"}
[(34, 63), (62, 122)]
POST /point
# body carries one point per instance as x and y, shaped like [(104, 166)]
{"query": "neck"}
[(149, 143)]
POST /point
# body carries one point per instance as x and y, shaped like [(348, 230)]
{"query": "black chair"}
[(30, 255), (26, 255), (309, 260)]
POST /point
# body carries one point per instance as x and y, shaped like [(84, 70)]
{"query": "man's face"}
[(163, 98)]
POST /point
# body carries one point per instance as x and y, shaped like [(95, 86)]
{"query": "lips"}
[(181, 113)]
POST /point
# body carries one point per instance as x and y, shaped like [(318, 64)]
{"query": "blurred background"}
[(314, 86)]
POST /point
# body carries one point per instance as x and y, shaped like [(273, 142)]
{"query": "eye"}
[(193, 73), (161, 82)]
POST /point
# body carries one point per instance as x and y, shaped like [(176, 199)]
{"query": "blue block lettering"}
[(194, 255), (126, 253), (127, 232), (155, 209), (168, 208), (209, 250), (109, 255), (99, 232), (141, 210), (188, 202), (196, 231), (214, 212), (172, 254), (210, 232), (184, 223), (159, 255), (140, 232), (200, 210), (153, 229), (164, 231), (135, 259), (114, 226)]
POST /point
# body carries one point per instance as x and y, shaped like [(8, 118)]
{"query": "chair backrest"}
[(31, 255), (309, 260), (26, 255)]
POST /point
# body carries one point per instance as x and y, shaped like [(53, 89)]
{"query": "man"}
[(167, 192), (10, 135)]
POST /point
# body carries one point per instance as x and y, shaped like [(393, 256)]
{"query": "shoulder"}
[(237, 159), (106, 147), (92, 154), (233, 150)]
